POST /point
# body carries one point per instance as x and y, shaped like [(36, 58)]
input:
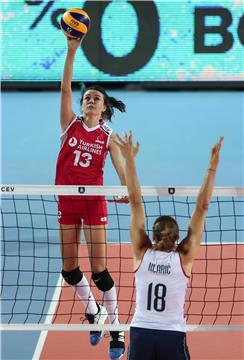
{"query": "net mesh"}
[(33, 292)]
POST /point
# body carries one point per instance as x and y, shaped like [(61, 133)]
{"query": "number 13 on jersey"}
[(85, 161)]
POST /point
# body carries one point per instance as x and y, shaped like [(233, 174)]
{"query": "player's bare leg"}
[(69, 243), (96, 237)]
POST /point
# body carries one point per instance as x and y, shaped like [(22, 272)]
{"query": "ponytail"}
[(111, 104), (164, 241)]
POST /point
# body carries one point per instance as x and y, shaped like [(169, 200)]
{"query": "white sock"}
[(110, 302), (83, 290)]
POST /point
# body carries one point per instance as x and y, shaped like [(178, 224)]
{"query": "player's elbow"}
[(203, 206), (65, 88)]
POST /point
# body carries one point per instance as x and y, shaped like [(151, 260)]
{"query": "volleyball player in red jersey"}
[(85, 142)]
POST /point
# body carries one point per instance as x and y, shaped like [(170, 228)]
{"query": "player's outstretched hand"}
[(214, 157), (128, 150), (73, 44)]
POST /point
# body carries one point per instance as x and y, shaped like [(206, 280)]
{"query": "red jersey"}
[(82, 155)]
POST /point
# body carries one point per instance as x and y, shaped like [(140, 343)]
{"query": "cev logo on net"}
[(73, 141), (7, 188)]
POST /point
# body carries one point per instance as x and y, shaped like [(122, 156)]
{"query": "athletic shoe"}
[(99, 318), (117, 345)]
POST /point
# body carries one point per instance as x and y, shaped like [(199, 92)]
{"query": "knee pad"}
[(103, 280), (72, 277)]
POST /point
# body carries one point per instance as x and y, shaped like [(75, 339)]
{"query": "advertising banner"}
[(163, 41)]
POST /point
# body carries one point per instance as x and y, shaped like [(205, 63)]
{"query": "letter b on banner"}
[(201, 29)]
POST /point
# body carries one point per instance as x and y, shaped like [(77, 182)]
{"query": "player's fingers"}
[(120, 142), (213, 150), (125, 134), (130, 137), (117, 143), (221, 139), (220, 142), (118, 138), (217, 147), (136, 148)]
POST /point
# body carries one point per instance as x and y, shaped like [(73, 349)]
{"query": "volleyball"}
[(75, 23)]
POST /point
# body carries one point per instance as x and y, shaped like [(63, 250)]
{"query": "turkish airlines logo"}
[(73, 141)]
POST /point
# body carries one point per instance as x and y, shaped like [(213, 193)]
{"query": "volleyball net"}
[(35, 297)]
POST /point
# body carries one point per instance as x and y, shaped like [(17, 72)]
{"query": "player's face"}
[(93, 103)]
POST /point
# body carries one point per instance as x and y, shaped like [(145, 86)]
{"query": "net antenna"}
[(35, 297)]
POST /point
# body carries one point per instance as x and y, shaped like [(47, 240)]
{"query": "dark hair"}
[(165, 233), (110, 102)]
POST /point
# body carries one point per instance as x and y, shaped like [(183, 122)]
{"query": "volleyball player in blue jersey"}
[(162, 268)]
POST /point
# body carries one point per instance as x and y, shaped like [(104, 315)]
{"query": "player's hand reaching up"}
[(128, 150), (214, 158), (73, 44)]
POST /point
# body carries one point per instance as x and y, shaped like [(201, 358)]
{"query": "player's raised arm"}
[(66, 112), (117, 160), (139, 238), (190, 244)]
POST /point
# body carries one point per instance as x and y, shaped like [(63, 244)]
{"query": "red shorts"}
[(91, 209)]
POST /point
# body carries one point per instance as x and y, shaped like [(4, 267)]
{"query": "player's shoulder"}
[(147, 253), (76, 119), (105, 128)]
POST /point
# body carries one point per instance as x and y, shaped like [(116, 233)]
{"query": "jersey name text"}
[(159, 269)]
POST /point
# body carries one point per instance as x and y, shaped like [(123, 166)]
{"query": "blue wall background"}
[(176, 131)]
